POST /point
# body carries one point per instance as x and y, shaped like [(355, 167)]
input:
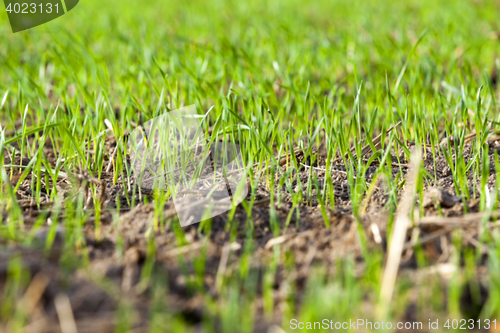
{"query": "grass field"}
[(370, 132)]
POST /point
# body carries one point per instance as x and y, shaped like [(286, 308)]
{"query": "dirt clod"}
[(440, 196)]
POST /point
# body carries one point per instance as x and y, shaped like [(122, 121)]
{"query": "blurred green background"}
[(210, 43)]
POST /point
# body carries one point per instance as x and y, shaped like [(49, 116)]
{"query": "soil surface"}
[(119, 249)]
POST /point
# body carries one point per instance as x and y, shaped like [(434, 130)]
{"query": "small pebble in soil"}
[(446, 171)]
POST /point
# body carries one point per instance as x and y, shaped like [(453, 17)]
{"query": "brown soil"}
[(120, 251)]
